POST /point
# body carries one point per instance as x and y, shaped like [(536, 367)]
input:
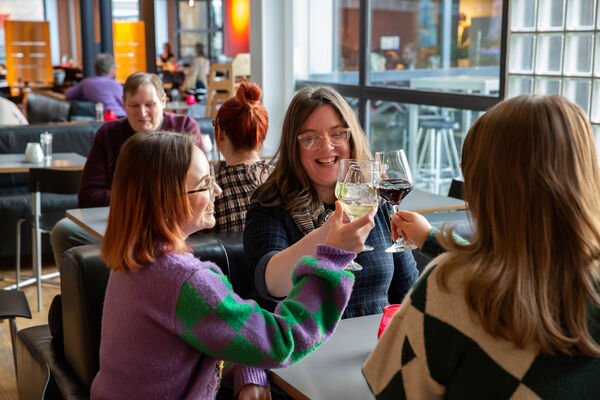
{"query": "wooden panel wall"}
[(129, 48), (28, 52)]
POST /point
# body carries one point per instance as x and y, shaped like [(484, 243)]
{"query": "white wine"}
[(356, 208)]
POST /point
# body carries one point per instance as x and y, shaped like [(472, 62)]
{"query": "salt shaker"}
[(46, 142), (99, 112)]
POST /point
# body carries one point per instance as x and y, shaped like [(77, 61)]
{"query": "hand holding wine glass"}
[(395, 182), (414, 227), (356, 191)]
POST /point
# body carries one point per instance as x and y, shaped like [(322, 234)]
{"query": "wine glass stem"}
[(395, 208)]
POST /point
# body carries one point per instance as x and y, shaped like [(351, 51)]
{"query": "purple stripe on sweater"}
[(213, 289), (214, 332), (257, 333)]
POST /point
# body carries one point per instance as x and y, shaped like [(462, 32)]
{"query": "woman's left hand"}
[(254, 392)]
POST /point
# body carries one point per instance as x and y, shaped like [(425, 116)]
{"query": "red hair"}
[(243, 118)]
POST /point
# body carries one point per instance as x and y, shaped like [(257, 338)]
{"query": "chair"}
[(456, 189), (13, 303), (51, 181), (437, 138), (218, 89), (73, 359)]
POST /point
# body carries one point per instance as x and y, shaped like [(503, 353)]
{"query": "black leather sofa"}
[(60, 360), (44, 108)]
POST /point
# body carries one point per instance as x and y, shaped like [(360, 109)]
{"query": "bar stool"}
[(437, 142)]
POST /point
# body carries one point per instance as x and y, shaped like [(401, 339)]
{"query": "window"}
[(21, 11), (415, 69), (555, 49), (200, 28)]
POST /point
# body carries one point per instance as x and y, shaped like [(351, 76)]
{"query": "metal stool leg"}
[(37, 245), (18, 263), (438, 161)]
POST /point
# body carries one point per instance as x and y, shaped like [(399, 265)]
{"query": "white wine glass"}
[(395, 182), (357, 193)]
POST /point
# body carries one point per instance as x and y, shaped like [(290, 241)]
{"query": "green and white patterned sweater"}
[(436, 348)]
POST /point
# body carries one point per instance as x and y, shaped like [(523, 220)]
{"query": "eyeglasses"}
[(210, 187), (337, 137)]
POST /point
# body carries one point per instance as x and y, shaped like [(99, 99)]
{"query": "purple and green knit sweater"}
[(155, 318)]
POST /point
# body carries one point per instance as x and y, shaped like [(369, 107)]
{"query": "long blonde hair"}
[(288, 185), (533, 187)]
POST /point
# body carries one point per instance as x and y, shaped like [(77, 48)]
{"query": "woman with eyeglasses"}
[(289, 213), (169, 319), (240, 129)]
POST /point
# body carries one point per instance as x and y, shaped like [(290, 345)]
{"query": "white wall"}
[(271, 57)]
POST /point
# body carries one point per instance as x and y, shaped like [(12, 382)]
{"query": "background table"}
[(333, 371), (16, 162), (10, 163), (92, 220)]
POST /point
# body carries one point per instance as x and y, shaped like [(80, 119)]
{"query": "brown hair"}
[(148, 200), (244, 119), (532, 184), (138, 79), (288, 185)]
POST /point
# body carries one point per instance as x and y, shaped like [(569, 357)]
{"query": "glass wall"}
[(426, 44), (200, 28), (555, 49), (419, 74)]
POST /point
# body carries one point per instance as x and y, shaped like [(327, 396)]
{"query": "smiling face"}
[(144, 108), (201, 204), (321, 165)]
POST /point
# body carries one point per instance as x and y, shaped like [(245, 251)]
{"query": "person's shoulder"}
[(110, 127), (178, 120)]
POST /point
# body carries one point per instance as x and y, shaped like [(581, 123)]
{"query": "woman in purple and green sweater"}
[(169, 319)]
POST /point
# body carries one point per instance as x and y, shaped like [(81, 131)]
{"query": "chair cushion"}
[(35, 349)]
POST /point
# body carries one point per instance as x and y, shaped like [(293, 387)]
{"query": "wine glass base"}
[(353, 266), (400, 247)]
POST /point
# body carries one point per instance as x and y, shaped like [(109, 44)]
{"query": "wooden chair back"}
[(219, 88)]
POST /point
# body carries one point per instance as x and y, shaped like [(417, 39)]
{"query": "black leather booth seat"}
[(73, 362), (75, 137)]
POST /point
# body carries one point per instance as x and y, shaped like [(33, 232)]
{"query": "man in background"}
[(102, 88)]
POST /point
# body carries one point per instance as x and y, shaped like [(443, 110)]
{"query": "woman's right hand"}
[(413, 227), (349, 236)]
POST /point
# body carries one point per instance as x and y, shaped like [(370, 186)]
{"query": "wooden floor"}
[(8, 383)]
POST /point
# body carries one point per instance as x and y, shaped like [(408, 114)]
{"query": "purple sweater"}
[(96, 179), (165, 327), (99, 89)]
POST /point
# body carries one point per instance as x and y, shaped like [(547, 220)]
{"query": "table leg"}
[(37, 245)]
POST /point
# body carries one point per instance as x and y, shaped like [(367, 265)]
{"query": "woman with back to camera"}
[(515, 313), (240, 129), (289, 213), (169, 317)]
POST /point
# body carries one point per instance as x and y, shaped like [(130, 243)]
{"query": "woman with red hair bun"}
[(240, 130)]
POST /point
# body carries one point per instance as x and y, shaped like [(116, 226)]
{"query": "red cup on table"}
[(388, 313), (190, 99), (110, 115)]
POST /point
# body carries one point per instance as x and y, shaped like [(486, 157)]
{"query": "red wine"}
[(394, 190)]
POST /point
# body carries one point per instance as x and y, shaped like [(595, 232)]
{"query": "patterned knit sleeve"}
[(397, 367), (216, 321), (432, 247)]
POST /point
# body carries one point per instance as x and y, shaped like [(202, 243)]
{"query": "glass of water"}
[(46, 143)]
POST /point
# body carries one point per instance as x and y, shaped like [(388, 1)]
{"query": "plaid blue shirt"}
[(384, 279)]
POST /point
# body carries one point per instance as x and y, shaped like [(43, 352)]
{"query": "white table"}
[(13, 163), (333, 371), (94, 220)]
